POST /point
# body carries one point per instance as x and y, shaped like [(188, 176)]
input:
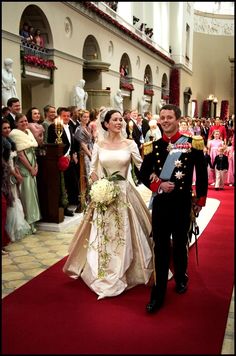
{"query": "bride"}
[(128, 260)]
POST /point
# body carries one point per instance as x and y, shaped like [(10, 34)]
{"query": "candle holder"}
[(59, 129)]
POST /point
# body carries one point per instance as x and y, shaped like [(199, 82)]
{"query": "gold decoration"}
[(59, 129), (147, 147), (131, 126), (198, 142)]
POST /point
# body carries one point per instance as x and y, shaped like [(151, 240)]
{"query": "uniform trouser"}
[(170, 217)]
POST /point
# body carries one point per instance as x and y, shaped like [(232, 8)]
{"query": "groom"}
[(167, 170)]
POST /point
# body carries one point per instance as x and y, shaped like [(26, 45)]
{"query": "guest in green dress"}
[(27, 163)]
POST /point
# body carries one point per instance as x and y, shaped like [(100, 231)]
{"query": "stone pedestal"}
[(97, 98)]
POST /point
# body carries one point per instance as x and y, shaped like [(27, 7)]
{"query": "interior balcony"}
[(148, 89), (36, 61)]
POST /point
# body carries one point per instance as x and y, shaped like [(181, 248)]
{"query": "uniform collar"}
[(173, 138)]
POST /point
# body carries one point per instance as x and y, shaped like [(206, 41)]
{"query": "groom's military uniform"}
[(173, 160)]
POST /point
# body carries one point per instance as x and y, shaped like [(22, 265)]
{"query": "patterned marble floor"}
[(35, 253)]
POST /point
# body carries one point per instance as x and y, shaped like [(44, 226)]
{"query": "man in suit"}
[(205, 130), (14, 106), (145, 123), (167, 170), (134, 131), (70, 174), (74, 118)]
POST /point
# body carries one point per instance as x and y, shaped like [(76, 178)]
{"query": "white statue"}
[(118, 101), (162, 103), (80, 96), (144, 105), (8, 82)]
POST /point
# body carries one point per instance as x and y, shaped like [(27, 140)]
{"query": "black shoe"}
[(153, 306), (68, 212), (217, 188), (181, 287), (78, 209)]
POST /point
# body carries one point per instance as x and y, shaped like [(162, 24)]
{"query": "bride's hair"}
[(107, 118)]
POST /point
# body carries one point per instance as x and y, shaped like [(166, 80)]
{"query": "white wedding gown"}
[(130, 263)]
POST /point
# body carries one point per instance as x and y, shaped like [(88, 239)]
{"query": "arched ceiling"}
[(215, 7)]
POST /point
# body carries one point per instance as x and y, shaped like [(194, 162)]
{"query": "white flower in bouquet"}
[(103, 192)]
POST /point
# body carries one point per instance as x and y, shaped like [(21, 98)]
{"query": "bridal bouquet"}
[(104, 191)]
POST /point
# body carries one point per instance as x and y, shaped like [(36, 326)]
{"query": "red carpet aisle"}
[(53, 314)]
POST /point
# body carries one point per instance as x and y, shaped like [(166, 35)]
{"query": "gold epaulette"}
[(198, 142), (147, 147)]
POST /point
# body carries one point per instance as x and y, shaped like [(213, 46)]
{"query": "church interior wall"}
[(73, 45), (211, 67), (11, 15), (26, 98), (211, 72), (186, 79), (65, 78), (42, 92)]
